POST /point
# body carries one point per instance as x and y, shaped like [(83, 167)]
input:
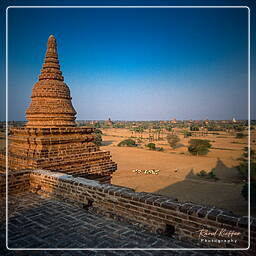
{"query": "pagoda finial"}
[(51, 45), (51, 67)]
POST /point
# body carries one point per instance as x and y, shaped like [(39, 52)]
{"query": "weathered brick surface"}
[(150, 211), (50, 140), (51, 101), (36, 222), (68, 150), (17, 183), (153, 212)]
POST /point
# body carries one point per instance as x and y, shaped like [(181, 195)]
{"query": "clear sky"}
[(135, 64)]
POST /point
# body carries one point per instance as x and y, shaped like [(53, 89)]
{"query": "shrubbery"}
[(98, 138), (194, 128), (240, 135), (246, 151), (202, 173), (98, 131), (199, 146), (152, 146), (127, 143), (208, 175), (173, 140), (243, 170), (186, 133), (169, 129)]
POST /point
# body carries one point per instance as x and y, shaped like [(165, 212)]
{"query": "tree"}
[(199, 147), (243, 170), (97, 137), (169, 129), (127, 143), (173, 140), (194, 128), (186, 133), (98, 131), (240, 135), (246, 152), (97, 125), (151, 146), (238, 128)]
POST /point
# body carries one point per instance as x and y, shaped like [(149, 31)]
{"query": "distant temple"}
[(109, 122), (173, 121), (51, 140)]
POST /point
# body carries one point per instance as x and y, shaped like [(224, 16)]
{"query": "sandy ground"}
[(177, 169), (2, 140), (177, 176)]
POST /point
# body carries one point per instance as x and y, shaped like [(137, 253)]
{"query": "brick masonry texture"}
[(51, 101), (36, 222), (50, 140), (68, 150), (158, 214), (17, 183), (63, 209)]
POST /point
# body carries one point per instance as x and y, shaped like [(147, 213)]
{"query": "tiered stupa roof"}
[(51, 102), (51, 140)]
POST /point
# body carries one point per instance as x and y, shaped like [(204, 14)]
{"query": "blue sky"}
[(135, 64)]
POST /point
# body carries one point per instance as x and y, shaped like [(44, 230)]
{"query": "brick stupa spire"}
[(51, 102), (51, 140)]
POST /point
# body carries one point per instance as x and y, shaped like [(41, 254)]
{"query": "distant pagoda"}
[(109, 122), (173, 121), (50, 139)]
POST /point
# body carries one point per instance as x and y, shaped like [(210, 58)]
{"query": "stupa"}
[(109, 122), (51, 140)]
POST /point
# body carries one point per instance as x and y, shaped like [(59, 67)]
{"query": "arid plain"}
[(177, 176), (178, 169)]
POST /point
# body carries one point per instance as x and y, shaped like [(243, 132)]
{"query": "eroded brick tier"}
[(51, 102), (50, 140)]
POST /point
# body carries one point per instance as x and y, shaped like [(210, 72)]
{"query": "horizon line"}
[(142, 120)]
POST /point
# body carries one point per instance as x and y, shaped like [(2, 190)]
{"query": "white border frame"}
[(132, 249)]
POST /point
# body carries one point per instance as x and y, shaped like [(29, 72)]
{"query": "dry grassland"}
[(177, 177)]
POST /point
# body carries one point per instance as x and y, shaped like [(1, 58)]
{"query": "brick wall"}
[(69, 150), (17, 182), (157, 213)]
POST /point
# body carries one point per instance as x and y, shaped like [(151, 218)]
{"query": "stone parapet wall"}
[(158, 213), (17, 183)]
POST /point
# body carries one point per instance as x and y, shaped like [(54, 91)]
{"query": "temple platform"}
[(67, 149)]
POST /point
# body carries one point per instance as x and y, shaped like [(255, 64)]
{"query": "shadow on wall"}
[(210, 192)]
